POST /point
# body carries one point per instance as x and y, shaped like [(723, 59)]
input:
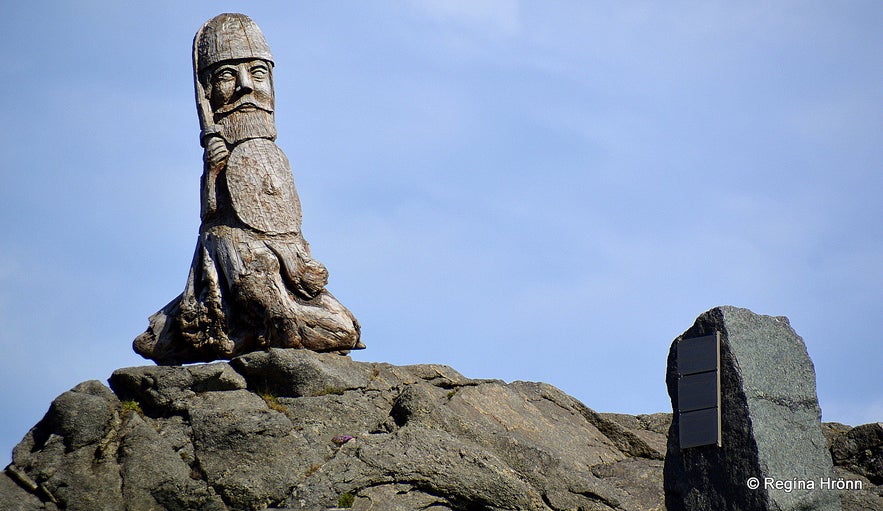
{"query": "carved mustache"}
[(242, 105)]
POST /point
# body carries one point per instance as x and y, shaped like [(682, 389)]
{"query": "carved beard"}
[(241, 125)]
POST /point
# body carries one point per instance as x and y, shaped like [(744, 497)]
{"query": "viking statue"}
[(253, 283)]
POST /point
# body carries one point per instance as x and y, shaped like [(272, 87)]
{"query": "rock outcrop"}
[(295, 429), (858, 461)]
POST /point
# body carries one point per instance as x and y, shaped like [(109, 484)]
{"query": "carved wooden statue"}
[(253, 283)]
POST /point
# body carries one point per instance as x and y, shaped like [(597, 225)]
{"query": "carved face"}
[(241, 85)]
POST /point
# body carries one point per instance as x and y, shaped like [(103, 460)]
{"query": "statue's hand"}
[(313, 277), (216, 151)]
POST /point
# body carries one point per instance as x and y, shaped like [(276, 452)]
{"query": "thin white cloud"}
[(495, 17)]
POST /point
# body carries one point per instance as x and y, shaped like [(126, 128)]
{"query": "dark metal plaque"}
[(699, 354), (698, 391), (698, 428)]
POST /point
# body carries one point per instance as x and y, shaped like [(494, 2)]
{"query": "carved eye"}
[(259, 72), (225, 75)]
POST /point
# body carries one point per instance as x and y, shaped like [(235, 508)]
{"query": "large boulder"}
[(857, 454), (860, 450), (770, 423), (296, 429)]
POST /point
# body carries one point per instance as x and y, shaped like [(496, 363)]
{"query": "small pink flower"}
[(341, 439)]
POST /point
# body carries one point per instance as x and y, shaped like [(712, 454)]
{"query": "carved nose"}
[(244, 83)]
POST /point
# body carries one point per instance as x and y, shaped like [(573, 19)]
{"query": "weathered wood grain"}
[(262, 187)]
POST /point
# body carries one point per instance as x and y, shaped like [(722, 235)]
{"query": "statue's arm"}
[(214, 157)]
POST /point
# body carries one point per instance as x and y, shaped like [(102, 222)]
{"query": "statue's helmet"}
[(228, 37)]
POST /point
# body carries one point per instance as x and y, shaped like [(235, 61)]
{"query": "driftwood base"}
[(248, 291)]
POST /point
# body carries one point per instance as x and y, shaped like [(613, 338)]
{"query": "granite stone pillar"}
[(770, 424)]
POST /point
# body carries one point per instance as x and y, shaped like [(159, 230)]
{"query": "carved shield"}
[(262, 187)]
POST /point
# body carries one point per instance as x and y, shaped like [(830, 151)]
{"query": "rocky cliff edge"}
[(294, 429)]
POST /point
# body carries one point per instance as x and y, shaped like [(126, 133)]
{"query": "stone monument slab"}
[(773, 455)]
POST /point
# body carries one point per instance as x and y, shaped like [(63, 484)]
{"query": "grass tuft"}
[(330, 391), (346, 500), (130, 405), (272, 402)]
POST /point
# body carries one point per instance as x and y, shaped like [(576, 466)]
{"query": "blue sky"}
[(545, 191)]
